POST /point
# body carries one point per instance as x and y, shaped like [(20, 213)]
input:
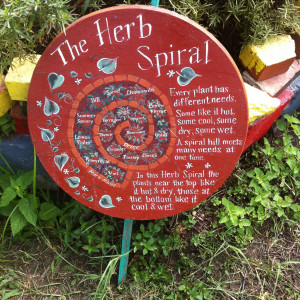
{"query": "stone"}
[(5, 102), (275, 84), (19, 76), (260, 104), (270, 59)]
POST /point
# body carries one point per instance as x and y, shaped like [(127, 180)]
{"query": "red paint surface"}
[(137, 135)]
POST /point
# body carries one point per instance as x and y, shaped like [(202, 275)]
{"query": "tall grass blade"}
[(7, 164), (34, 180), (105, 279)]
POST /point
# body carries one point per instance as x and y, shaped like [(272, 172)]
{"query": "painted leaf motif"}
[(106, 202), (107, 65), (90, 199), (55, 81), (50, 107), (77, 192), (47, 135), (88, 75), (73, 181), (186, 76), (61, 95), (61, 160), (73, 74)]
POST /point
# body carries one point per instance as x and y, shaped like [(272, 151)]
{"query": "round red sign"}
[(137, 112)]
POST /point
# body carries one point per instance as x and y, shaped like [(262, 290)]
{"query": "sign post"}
[(137, 112), (125, 250)]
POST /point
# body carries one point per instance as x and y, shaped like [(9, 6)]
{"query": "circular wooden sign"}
[(137, 112)]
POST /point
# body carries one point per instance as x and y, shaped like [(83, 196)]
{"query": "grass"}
[(267, 269)]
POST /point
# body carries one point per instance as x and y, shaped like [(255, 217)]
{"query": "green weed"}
[(19, 204), (7, 125), (27, 25)]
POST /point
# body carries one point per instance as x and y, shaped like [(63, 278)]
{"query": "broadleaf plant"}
[(19, 205)]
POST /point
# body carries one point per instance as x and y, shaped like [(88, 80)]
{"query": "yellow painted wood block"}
[(19, 76), (5, 102), (260, 104), (270, 59)]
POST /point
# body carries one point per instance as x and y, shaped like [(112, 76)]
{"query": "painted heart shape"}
[(186, 76), (106, 202), (47, 135), (55, 81), (90, 199), (73, 182), (73, 74), (61, 160), (107, 65), (50, 107)]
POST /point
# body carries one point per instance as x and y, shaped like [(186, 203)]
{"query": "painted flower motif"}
[(66, 171), (119, 199), (170, 73), (56, 129), (156, 108), (207, 165), (123, 112), (161, 135), (138, 117), (113, 173), (114, 92), (149, 156), (106, 135), (136, 134), (189, 165), (160, 150), (84, 188), (163, 123), (131, 158), (78, 81), (115, 150), (39, 103), (138, 94), (109, 119)]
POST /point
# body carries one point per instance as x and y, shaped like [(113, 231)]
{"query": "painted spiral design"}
[(119, 125)]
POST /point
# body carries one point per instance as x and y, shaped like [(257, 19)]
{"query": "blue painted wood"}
[(155, 3), (294, 104), (18, 151), (127, 230)]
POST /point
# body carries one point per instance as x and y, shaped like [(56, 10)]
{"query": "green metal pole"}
[(127, 230), (155, 3)]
